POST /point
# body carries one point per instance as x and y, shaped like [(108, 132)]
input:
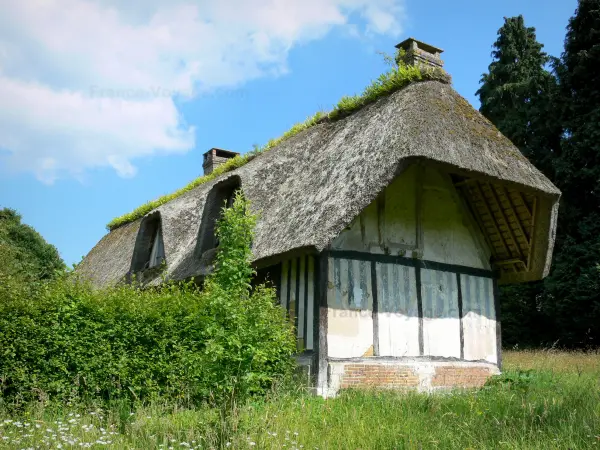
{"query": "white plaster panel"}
[(396, 228), (441, 323), (349, 318), (398, 314), (400, 221), (479, 319)]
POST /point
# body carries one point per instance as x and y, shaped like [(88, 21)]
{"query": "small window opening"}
[(222, 195), (149, 250), (157, 254)]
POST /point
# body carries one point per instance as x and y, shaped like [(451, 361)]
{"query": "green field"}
[(544, 400)]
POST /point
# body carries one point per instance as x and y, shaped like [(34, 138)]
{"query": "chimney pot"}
[(420, 53), (215, 157)]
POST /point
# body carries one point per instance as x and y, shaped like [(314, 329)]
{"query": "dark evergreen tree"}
[(518, 95), (23, 251), (573, 285)]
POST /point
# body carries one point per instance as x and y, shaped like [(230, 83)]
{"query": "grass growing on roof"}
[(399, 76)]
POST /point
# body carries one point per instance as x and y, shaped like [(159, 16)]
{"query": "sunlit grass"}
[(545, 400), (575, 362)]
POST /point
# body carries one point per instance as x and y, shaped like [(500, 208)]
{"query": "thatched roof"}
[(310, 187)]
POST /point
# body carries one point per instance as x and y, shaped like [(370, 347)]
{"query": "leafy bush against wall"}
[(63, 340)]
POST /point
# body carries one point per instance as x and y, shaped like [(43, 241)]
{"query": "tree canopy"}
[(554, 119)]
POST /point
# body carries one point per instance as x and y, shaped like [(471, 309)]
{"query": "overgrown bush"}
[(24, 253), (65, 341)]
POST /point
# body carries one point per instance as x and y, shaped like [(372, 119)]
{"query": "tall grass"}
[(544, 400)]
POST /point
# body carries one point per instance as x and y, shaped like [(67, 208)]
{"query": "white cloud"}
[(87, 84)]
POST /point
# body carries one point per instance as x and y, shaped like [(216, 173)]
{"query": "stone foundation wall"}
[(421, 375)]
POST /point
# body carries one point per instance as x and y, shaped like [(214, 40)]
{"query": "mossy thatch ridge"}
[(317, 181), (396, 78)]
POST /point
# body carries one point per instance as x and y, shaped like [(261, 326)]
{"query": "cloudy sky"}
[(105, 106)]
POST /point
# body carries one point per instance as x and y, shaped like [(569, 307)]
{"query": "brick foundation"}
[(422, 375), (377, 375), (451, 376)]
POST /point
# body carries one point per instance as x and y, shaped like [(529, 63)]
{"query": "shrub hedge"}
[(63, 340)]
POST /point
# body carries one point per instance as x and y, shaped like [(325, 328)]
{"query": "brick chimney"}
[(420, 53), (215, 157)]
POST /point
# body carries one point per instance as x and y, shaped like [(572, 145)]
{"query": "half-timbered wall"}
[(411, 277), (420, 308), (350, 303), (419, 214)]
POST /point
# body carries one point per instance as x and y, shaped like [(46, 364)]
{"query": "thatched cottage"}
[(386, 233)]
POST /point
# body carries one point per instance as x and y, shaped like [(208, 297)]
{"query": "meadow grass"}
[(544, 400)]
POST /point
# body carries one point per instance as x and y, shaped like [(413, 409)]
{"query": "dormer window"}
[(157, 254), (221, 195), (149, 250)]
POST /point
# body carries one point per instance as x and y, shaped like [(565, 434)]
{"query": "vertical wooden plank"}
[(363, 266), (321, 297), (310, 309), (285, 292), (300, 288), (375, 309), (420, 308), (337, 284), (460, 316), (293, 299), (305, 303), (343, 284), (498, 325)]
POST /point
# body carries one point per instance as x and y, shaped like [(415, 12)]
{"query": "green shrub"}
[(64, 341), (23, 251)]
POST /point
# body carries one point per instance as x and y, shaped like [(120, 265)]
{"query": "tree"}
[(518, 95), (573, 285), (24, 252)]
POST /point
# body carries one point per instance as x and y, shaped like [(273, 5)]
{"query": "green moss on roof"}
[(391, 81)]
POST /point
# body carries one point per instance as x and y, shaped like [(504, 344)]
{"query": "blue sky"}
[(103, 107)]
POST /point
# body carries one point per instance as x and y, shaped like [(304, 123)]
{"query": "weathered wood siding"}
[(419, 214), (441, 322), (416, 310), (350, 306), (398, 311), (297, 296), (411, 277), (479, 318)]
